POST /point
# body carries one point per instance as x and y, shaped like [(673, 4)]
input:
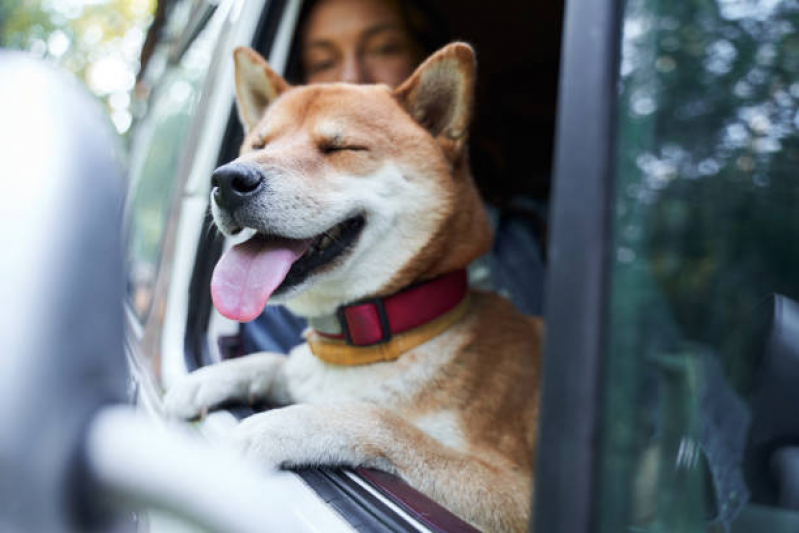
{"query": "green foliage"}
[(98, 40), (717, 176)]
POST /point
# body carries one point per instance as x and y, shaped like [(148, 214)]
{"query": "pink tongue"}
[(247, 275)]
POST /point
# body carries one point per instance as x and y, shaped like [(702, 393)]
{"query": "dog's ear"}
[(439, 94), (257, 85)]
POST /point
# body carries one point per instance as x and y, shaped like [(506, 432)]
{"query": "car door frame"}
[(576, 288)]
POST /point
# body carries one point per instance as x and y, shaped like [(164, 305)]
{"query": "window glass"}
[(705, 231), (156, 163)]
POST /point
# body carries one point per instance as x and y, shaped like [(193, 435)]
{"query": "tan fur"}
[(456, 416)]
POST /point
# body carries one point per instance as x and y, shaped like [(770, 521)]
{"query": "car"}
[(670, 245), (671, 294)]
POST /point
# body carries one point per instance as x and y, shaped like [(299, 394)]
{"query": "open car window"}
[(210, 337)]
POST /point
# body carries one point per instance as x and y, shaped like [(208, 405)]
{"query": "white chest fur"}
[(398, 385)]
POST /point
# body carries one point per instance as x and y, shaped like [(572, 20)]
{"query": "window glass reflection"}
[(705, 234), (157, 162)]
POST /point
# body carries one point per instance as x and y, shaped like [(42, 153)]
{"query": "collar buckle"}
[(361, 321)]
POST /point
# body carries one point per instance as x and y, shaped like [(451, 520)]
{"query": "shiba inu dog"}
[(362, 215)]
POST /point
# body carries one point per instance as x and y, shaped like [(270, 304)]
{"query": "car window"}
[(705, 233), (156, 162)]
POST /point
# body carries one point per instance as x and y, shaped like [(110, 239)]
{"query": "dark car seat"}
[(772, 457)]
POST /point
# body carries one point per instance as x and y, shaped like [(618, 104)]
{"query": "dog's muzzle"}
[(232, 185)]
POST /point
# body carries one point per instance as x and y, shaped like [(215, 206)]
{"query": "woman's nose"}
[(352, 70)]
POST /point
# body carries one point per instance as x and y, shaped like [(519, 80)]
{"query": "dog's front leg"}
[(487, 491), (247, 379)]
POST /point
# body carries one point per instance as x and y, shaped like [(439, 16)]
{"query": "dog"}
[(361, 214)]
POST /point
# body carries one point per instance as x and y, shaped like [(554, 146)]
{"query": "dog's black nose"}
[(235, 183)]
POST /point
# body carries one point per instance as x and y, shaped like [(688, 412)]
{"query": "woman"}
[(366, 41), (383, 41)]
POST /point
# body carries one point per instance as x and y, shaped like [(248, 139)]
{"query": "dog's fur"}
[(456, 416)]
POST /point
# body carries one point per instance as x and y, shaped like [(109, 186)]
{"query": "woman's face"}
[(357, 41)]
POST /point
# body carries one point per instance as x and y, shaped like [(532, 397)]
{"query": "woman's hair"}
[(422, 20), (424, 24)]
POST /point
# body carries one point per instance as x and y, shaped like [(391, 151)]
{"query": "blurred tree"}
[(715, 174), (98, 40)]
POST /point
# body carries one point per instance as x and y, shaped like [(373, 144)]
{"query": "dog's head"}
[(348, 190)]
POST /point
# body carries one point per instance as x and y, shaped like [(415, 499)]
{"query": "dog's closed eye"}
[(333, 148)]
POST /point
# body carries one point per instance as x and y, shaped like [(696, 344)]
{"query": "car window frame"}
[(197, 350), (578, 272)]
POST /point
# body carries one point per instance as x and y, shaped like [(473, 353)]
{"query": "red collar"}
[(376, 320)]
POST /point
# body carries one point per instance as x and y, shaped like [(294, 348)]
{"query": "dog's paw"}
[(307, 435), (196, 393), (280, 437), (240, 380)]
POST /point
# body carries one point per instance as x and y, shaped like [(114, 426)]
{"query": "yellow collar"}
[(338, 352)]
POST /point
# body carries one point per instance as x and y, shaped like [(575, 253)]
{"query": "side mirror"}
[(62, 283)]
